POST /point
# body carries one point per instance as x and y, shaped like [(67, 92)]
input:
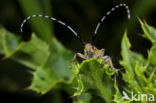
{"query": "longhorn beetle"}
[(90, 51)]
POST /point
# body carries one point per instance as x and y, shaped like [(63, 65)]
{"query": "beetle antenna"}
[(58, 21), (104, 17)]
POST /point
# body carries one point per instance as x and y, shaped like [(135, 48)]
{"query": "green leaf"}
[(56, 69), (8, 42), (139, 74), (149, 32), (126, 55), (33, 53), (96, 76), (51, 62), (129, 63), (84, 98), (129, 57), (151, 57), (118, 96)]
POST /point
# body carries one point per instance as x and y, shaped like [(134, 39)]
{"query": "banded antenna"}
[(51, 18), (104, 17)]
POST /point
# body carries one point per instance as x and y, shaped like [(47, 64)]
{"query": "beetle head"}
[(89, 50)]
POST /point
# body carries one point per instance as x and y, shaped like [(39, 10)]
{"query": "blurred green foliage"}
[(31, 7), (91, 77), (51, 62)]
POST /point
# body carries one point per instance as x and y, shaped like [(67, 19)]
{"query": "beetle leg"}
[(107, 59), (79, 55)]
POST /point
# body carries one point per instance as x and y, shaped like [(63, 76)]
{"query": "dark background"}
[(82, 16)]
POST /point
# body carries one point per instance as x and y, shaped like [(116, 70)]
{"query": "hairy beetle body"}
[(92, 52)]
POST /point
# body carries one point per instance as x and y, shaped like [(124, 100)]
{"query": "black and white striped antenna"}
[(72, 30), (104, 17), (51, 18)]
